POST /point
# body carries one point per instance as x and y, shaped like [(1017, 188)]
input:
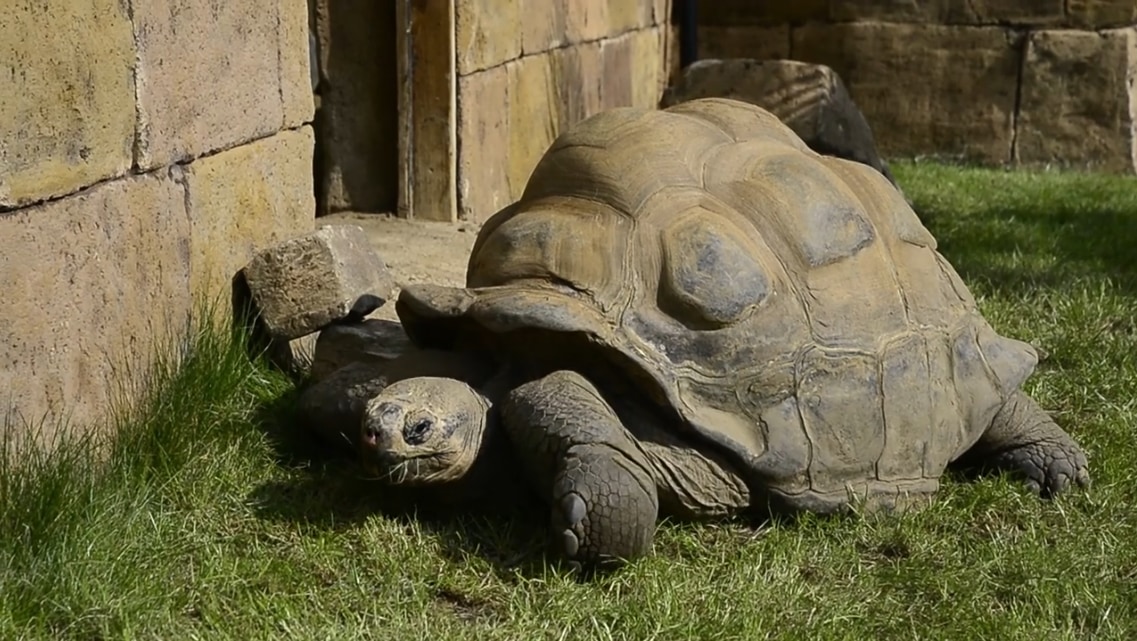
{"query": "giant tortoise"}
[(697, 316)]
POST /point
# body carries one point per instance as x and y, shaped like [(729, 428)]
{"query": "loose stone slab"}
[(303, 284)]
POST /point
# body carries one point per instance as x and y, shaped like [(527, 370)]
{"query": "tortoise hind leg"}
[(600, 486), (1024, 439)]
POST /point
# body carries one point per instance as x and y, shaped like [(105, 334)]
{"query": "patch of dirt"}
[(415, 251)]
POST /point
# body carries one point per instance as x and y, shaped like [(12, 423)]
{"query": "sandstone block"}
[(357, 123), (295, 46), (624, 16), (649, 70), (724, 13), (578, 75), (1095, 14), (487, 33), (808, 98), (616, 81), (532, 122), (483, 141), (542, 25), (210, 76), (759, 43), (94, 284), (244, 199), (1019, 12), (925, 89), (1078, 100), (585, 20), (67, 113), (302, 284), (372, 341)]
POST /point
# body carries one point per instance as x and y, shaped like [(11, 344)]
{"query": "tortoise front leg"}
[(600, 485)]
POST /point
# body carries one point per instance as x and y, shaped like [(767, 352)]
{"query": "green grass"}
[(199, 526)]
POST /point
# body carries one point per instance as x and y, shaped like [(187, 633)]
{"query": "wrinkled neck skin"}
[(495, 481)]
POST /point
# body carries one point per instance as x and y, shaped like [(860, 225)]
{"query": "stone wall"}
[(994, 81), (145, 149), (529, 68)]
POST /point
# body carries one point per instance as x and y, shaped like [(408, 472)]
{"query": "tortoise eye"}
[(416, 433)]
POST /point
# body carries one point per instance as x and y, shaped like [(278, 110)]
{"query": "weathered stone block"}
[(487, 33), (616, 81), (357, 124), (296, 71), (925, 89), (210, 76), (809, 98), (585, 20), (1078, 100), (723, 13), (759, 43), (649, 66), (244, 199), (67, 112), (624, 15), (93, 283), (372, 341), (1021, 12), (1096, 14), (542, 25), (578, 75), (302, 284), (483, 141), (532, 122)]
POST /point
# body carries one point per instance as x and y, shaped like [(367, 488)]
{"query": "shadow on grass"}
[(324, 487)]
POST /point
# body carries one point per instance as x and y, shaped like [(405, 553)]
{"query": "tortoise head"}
[(425, 430)]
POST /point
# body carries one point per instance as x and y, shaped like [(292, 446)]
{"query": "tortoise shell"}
[(788, 307)]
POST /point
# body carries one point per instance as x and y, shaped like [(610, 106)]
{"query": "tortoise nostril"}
[(370, 435), (416, 433)]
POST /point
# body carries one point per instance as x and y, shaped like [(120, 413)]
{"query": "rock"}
[(809, 98), (303, 284), (372, 341)]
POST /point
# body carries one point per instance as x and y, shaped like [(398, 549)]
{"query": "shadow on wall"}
[(356, 166)]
